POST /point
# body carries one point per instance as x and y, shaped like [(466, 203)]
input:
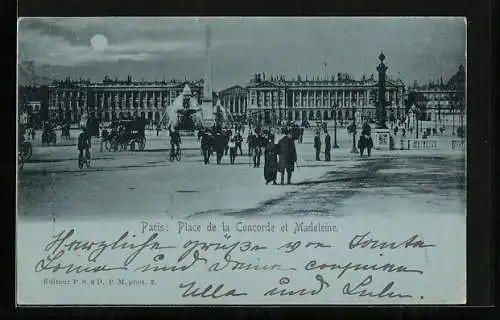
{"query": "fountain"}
[(184, 113), (222, 115)]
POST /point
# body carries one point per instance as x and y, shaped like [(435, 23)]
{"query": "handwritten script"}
[(234, 262)]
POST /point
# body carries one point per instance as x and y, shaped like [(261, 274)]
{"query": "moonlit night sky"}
[(419, 49)]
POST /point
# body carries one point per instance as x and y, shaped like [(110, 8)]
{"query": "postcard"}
[(241, 161)]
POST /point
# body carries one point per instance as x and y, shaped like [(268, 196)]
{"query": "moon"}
[(99, 42)]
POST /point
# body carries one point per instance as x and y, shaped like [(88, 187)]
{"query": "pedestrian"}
[(250, 139), (239, 142), (366, 129), (328, 146), (256, 151), (33, 132), (365, 142), (232, 150), (206, 145), (219, 144), (317, 145), (271, 161), (287, 156)]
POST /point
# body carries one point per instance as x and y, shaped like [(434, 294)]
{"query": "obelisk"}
[(207, 106)]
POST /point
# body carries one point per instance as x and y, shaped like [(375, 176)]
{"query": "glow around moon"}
[(99, 42)]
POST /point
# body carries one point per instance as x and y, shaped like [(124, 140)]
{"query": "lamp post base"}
[(382, 139), (354, 150), (335, 146)]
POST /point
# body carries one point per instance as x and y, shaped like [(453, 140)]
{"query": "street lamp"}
[(453, 120), (354, 149), (414, 110), (335, 145), (439, 115)]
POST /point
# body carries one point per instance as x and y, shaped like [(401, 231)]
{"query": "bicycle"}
[(84, 159), (175, 153)]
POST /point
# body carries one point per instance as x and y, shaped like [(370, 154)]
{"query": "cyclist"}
[(175, 140), (84, 143)]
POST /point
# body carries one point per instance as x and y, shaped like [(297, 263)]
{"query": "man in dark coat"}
[(317, 145), (287, 156), (270, 161), (256, 147), (366, 130), (206, 146), (239, 142), (219, 144), (328, 146), (250, 140)]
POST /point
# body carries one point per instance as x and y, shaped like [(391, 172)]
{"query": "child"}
[(232, 149)]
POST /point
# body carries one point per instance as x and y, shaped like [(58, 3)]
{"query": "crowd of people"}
[(279, 156)]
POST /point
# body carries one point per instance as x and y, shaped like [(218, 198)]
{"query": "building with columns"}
[(442, 103), (115, 99), (234, 99), (320, 99)]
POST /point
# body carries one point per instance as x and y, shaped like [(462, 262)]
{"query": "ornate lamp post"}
[(453, 120), (380, 111), (354, 149), (439, 115), (335, 145)]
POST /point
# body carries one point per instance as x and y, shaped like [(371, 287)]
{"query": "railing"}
[(458, 144), (421, 144)]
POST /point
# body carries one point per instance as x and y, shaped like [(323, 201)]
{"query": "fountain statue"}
[(184, 113)]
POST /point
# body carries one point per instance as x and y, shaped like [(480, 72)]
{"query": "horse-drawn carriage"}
[(123, 135)]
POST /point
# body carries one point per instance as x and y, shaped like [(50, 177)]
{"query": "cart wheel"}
[(142, 143)]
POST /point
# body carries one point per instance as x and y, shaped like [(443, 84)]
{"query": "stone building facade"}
[(442, 103), (277, 98), (113, 99)]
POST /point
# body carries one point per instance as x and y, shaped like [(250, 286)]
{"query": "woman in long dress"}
[(271, 161)]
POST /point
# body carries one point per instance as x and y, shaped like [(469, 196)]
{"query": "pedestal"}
[(381, 139)]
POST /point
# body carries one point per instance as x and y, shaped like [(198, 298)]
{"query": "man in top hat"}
[(328, 146), (317, 144), (287, 155)]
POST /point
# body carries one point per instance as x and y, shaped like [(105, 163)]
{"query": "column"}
[(343, 98)]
